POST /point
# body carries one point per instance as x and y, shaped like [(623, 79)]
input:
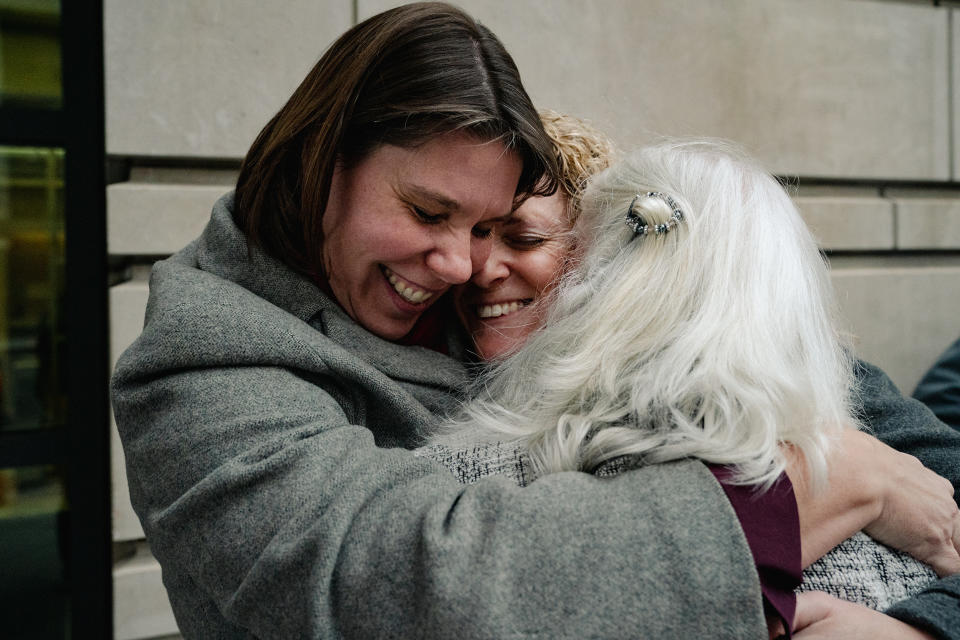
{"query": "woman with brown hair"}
[(294, 351)]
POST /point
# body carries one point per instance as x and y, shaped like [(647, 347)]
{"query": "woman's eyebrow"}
[(442, 202), (424, 193)]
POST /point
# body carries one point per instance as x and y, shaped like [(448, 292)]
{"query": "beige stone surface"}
[(805, 189), (140, 605), (841, 88), (928, 223), (955, 85), (903, 315), (849, 224), (157, 218), (200, 78), (128, 302), (185, 175)]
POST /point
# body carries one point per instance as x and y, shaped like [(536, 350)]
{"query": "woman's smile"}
[(408, 291), (500, 309)]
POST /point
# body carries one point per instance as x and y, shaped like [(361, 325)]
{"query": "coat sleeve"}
[(909, 426), (939, 388), (274, 516), (936, 610)]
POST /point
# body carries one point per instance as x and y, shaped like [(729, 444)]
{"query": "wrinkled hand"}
[(823, 617), (917, 513), (888, 494)]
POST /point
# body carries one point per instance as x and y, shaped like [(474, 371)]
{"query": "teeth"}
[(405, 290), (503, 309)]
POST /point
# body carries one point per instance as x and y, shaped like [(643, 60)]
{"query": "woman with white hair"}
[(697, 321)]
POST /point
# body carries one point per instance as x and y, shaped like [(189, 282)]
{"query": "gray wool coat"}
[(266, 439)]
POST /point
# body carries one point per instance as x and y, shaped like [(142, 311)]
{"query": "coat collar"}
[(413, 364), (222, 250)]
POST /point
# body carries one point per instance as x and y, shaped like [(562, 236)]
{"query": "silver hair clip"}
[(640, 226)]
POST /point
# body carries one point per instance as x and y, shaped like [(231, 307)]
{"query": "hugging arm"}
[(909, 426), (274, 513), (915, 513), (885, 492)]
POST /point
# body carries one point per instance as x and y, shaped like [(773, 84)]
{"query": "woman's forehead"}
[(455, 172), (540, 211)]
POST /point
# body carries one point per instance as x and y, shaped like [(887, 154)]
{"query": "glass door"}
[(54, 485)]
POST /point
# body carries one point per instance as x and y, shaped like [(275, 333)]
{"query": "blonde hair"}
[(581, 151), (717, 340)]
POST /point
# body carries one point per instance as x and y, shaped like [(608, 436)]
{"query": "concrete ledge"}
[(902, 317), (928, 223), (849, 224), (157, 219)]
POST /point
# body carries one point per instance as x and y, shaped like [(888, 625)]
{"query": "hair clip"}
[(640, 226)]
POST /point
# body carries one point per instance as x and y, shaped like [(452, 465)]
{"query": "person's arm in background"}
[(939, 388)]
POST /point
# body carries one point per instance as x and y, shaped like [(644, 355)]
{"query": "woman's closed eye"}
[(525, 241), (426, 217), (482, 233)]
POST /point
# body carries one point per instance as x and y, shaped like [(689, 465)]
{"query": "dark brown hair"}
[(401, 78)]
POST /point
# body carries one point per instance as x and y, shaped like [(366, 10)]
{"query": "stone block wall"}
[(854, 101)]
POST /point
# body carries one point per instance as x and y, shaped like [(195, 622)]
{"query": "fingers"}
[(946, 564), (945, 558), (822, 617), (956, 532), (956, 548)]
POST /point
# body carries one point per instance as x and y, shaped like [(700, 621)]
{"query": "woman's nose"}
[(494, 269), (452, 258)]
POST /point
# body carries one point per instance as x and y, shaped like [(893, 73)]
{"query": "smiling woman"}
[(424, 216), (499, 306)]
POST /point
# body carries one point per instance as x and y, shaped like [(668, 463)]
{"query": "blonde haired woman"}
[(502, 304)]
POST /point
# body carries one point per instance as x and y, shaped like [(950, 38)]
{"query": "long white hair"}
[(717, 340)]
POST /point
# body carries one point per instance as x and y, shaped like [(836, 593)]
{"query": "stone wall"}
[(852, 100)]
